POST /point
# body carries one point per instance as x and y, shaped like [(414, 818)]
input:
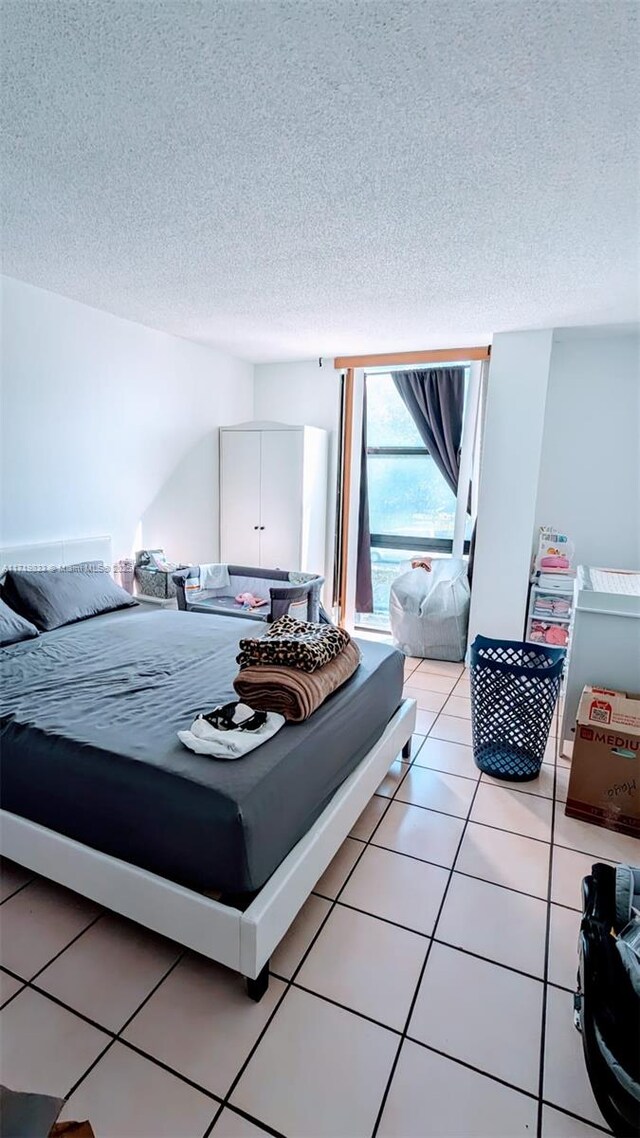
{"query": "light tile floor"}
[(424, 990)]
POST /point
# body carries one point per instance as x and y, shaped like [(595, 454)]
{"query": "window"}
[(411, 507)]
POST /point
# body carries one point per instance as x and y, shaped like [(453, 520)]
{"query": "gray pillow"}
[(53, 597), (13, 627)]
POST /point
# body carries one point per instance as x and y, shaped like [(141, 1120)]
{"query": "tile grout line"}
[(170, 1070), (61, 1004), (548, 983), (452, 695), (290, 982), (117, 1038), (385, 1095), (429, 1047), (17, 890), (116, 1035), (72, 941), (114, 1038), (468, 777), (495, 785), (343, 1007), (578, 1117), (333, 902), (278, 976), (487, 825), (462, 873), (21, 988), (247, 1117), (471, 1067), (476, 821), (547, 940)]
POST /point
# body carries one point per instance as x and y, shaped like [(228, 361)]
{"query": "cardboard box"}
[(604, 785)]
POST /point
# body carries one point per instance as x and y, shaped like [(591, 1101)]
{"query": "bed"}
[(99, 794)]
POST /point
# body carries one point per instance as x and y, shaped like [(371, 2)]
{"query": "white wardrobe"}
[(273, 496)]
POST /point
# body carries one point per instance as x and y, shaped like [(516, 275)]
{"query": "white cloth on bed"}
[(207, 740), (211, 576)]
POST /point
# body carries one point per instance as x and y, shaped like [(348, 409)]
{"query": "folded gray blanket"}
[(292, 692), (291, 643)]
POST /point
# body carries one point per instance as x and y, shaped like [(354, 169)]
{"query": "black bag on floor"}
[(607, 1000)]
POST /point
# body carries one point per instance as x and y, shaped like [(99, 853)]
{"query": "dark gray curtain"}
[(364, 588), (435, 400)]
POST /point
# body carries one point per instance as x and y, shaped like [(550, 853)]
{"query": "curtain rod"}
[(435, 355)]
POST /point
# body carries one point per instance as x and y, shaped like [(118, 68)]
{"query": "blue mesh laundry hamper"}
[(514, 688)]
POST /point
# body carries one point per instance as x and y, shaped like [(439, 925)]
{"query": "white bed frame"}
[(242, 940)]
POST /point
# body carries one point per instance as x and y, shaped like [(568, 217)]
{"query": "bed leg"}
[(406, 750), (257, 988)]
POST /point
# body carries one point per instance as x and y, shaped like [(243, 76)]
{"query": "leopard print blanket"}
[(292, 643)]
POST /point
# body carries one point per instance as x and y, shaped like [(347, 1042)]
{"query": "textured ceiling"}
[(290, 178)]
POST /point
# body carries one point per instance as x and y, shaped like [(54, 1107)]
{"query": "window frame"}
[(355, 369)]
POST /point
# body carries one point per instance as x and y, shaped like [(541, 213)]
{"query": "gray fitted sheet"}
[(88, 722)]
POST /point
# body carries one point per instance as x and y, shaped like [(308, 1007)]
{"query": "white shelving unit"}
[(555, 586)]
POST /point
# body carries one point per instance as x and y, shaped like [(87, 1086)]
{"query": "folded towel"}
[(210, 577), (207, 740), (291, 643), (214, 577), (292, 692)]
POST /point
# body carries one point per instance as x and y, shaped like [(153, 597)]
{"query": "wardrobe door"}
[(281, 499), (240, 497)]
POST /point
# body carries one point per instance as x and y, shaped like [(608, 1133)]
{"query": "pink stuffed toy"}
[(248, 601)]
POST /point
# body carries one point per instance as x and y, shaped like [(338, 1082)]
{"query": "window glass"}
[(389, 424), (408, 497)]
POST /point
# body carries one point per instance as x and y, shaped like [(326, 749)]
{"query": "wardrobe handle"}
[(256, 527), (261, 527)]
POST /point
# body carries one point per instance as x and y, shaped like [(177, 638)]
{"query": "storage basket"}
[(514, 689), (155, 583)]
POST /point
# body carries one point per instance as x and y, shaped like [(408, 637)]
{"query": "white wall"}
[(589, 483), (308, 395), (562, 448), (513, 432), (110, 427)]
